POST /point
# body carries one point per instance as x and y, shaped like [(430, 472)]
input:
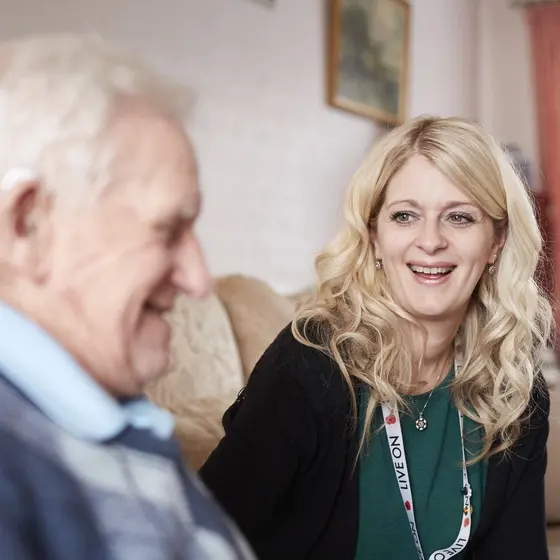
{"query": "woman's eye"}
[(401, 217), (460, 218)]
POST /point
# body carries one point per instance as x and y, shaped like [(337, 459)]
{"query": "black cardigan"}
[(285, 469)]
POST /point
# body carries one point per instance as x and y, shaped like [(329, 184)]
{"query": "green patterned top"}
[(434, 465)]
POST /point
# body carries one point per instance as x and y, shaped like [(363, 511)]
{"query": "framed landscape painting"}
[(269, 3), (369, 59)]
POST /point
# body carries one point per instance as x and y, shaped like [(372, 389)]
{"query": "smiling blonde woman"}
[(402, 414)]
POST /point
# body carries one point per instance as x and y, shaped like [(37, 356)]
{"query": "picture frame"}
[(268, 3), (368, 62)]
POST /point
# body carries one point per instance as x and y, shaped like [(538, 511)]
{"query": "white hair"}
[(57, 96)]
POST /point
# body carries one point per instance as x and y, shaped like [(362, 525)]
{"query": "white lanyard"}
[(398, 456)]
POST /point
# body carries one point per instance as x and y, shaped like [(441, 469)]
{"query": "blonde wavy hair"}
[(353, 318)]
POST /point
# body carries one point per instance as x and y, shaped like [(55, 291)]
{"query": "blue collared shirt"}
[(112, 493), (34, 362)]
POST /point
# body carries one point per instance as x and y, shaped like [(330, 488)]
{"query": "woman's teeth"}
[(431, 270)]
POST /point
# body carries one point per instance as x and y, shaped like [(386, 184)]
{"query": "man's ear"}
[(24, 211)]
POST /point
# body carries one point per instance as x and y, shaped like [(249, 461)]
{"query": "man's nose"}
[(191, 274)]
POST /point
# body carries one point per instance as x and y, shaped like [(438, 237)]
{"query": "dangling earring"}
[(378, 264), (492, 267)]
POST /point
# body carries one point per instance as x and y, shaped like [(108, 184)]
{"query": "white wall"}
[(443, 73), (274, 158), (505, 103)]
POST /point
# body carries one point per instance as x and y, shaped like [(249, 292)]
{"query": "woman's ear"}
[(495, 249), (373, 238), (500, 239)]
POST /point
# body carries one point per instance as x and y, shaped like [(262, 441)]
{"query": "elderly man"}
[(98, 200)]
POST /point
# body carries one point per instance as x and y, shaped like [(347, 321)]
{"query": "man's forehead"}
[(155, 156), (141, 137), (181, 192)]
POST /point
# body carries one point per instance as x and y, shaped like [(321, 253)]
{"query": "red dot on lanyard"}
[(467, 522), (407, 505), (391, 419)]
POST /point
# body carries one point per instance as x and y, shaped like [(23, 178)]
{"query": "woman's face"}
[(434, 242)]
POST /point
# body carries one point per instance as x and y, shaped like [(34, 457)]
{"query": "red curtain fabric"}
[(544, 28)]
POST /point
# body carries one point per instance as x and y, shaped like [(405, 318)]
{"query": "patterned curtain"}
[(543, 18)]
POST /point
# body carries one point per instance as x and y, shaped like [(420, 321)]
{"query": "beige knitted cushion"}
[(204, 358), (256, 312), (204, 378), (199, 428)]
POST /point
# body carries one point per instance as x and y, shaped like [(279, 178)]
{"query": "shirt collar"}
[(52, 379)]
